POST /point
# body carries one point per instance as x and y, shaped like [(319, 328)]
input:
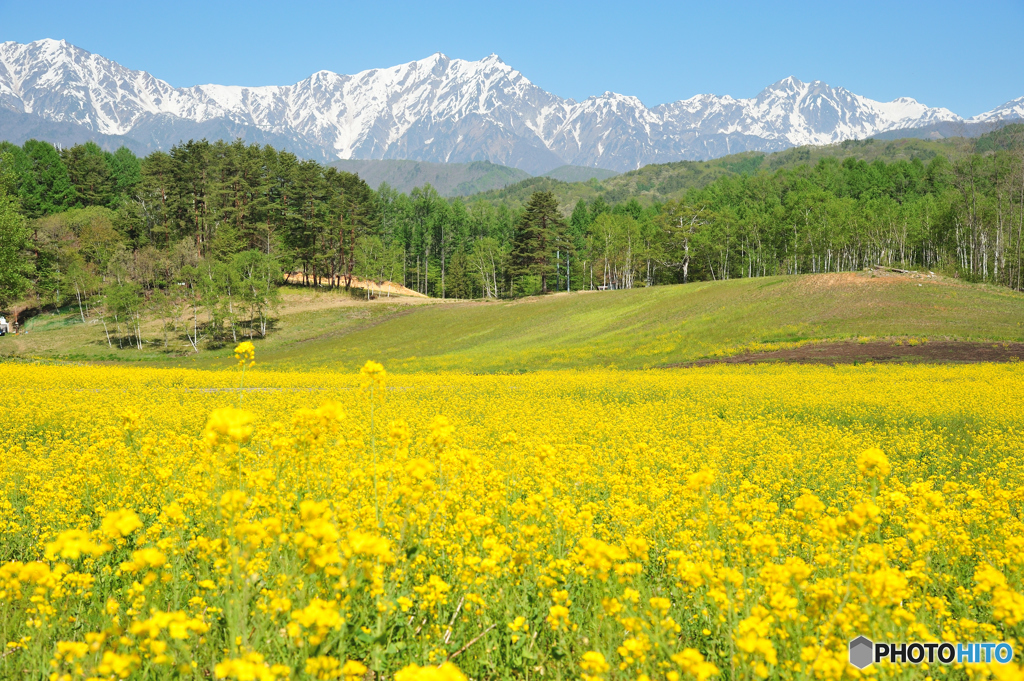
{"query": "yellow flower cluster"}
[(372, 374), (228, 424), (723, 522), (245, 354)]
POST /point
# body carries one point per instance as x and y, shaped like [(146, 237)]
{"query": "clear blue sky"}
[(961, 56)]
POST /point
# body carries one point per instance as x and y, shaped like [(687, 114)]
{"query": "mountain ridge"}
[(440, 109)]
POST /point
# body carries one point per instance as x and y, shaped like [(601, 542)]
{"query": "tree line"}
[(205, 230)]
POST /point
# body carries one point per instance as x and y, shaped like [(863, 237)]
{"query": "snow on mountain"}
[(441, 109), (1012, 109)]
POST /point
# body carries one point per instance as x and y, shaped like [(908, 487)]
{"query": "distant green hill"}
[(579, 174), (656, 182), (665, 181), (449, 179)]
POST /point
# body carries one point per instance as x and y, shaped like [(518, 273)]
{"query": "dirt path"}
[(848, 352)]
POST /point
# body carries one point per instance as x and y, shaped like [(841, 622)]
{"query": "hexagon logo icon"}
[(862, 652)]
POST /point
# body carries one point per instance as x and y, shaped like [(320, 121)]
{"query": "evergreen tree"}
[(156, 203), (125, 173), (192, 182), (459, 279), (598, 207), (14, 267), (540, 231), (13, 165), (580, 220), (46, 188), (90, 174)]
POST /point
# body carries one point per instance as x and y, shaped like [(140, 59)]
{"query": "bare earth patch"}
[(375, 287), (848, 352), (293, 302), (879, 276)]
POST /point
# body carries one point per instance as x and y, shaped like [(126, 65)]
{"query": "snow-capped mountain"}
[(436, 109), (1012, 109)]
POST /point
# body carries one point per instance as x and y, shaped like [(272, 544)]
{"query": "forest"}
[(199, 237)]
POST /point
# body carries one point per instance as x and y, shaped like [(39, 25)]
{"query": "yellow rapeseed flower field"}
[(723, 522)]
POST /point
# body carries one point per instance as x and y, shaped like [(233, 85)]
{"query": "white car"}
[(4, 329)]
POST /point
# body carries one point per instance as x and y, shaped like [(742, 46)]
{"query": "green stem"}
[(238, 403), (373, 447)]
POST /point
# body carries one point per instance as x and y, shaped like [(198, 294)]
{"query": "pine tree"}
[(580, 220), (193, 184), (90, 174), (157, 203), (46, 188), (459, 280), (540, 232), (125, 173)]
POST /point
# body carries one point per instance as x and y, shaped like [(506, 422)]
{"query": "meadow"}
[(740, 522), (626, 329)]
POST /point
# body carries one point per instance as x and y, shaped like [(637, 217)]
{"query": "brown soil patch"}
[(871, 277), (292, 302), (848, 352), (375, 287)]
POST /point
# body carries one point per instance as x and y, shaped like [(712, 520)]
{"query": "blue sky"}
[(941, 53)]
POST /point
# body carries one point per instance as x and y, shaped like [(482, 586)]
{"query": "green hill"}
[(657, 182), (579, 174), (449, 179), (457, 179), (665, 181), (665, 325), (634, 328)]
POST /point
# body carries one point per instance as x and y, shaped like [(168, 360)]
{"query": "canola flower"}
[(245, 354), (720, 523)]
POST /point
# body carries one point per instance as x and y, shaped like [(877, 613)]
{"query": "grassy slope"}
[(660, 326), (303, 314), (625, 329)]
